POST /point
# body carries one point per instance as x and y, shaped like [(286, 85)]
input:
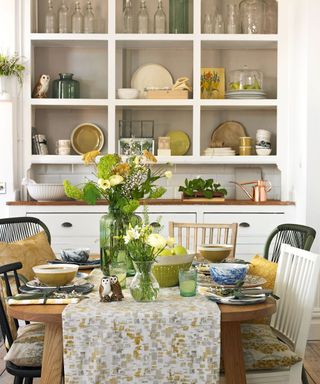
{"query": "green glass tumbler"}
[(66, 87), (178, 16), (188, 282)]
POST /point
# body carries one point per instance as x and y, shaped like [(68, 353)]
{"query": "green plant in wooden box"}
[(202, 188)]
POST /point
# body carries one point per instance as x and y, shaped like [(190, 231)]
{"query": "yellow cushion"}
[(267, 269), (27, 349), (34, 250), (262, 349), (3, 298)]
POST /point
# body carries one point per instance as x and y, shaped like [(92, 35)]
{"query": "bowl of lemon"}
[(169, 262)]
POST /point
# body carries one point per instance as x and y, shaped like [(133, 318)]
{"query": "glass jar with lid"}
[(245, 79), (252, 16)]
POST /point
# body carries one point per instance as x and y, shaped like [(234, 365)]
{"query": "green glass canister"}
[(66, 87), (178, 16)]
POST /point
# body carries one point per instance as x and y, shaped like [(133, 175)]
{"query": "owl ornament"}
[(41, 88), (110, 289)]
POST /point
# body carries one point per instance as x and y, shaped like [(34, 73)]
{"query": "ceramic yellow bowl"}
[(215, 253), (55, 275)]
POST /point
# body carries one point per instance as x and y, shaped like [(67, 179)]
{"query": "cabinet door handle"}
[(66, 225), (244, 225)]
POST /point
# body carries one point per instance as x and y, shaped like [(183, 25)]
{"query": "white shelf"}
[(77, 159), (227, 104), (69, 103), (241, 41), (169, 103), (69, 39)]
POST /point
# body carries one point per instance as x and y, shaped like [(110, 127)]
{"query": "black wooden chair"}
[(296, 235), (22, 375), (18, 228)]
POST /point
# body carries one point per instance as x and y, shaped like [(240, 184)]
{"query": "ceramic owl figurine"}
[(41, 88), (105, 289), (117, 294)]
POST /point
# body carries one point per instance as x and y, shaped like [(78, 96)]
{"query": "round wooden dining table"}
[(231, 318)]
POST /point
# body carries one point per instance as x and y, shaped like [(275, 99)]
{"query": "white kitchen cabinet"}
[(106, 60)]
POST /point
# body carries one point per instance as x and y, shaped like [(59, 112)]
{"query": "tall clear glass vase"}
[(113, 227)]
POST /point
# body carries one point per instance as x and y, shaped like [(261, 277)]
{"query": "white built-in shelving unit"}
[(105, 61)]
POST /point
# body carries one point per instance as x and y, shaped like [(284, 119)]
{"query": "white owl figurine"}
[(41, 88), (105, 289)]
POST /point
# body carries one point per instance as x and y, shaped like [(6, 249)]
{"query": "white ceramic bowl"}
[(46, 192), (263, 151), (128, 93), (55, 275)]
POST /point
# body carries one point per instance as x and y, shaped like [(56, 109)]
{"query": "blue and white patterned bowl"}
[(75, 255), (228, 273)]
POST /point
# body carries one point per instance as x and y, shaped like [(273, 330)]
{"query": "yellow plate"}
[(87, 137), (179, 143)]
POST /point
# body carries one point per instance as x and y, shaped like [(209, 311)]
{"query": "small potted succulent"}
[(202, 188)]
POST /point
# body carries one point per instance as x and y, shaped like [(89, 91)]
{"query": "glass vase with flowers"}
[(143, 247), (123, 183)]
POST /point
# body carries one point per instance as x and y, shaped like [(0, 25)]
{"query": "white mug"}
[(63, 143), (63, 151)]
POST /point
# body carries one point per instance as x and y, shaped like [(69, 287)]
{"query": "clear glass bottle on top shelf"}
[(160, 19), (271, 16), (252, 16), (63, 18), (233, 25), (128, 17), (50, 19), (218, 24), (208, 23), (77, 19), (88, 19), (143, 18)]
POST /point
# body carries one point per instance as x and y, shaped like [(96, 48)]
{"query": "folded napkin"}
[(13, 301)]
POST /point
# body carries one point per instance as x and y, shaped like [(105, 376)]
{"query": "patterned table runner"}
[(173, 340)]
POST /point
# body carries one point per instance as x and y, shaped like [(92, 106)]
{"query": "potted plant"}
[(9, 66), (202, 188)]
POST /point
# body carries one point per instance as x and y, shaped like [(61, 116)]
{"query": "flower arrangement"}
[(122, 183), (10, 66), (144, 245)]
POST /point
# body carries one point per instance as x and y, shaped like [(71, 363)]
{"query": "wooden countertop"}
[(154, 202)]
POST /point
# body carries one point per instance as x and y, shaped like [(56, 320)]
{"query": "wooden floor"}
[(311, 363)]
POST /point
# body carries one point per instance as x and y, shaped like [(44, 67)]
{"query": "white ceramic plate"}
[(151, 76), (87, 137)]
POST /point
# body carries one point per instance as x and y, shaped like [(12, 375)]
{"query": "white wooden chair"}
[(191, 235), (296, 285)]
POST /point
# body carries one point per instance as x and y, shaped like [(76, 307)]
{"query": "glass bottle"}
[(178, 16), (63, 18), (232, 18), (208, 23), (50, 19), (128, 18), (66, 87), (77, 19), (143, 18), (252, 15), (160, 19), (88, 19), (218, 24), (271, 16)]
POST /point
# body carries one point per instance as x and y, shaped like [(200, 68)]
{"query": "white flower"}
[(137, 160), (115, 180), (170, 242), (104, 184), (168, 174), (156, 241), (132, 234)]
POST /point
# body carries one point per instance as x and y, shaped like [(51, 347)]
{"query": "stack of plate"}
[(224, 151), (246, 94)]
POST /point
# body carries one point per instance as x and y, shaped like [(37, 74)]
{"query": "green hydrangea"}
[(72, 191), (106, 164), (157, 192)]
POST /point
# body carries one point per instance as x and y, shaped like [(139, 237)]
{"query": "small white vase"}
[(4, 95)]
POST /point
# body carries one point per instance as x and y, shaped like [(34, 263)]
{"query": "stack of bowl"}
[(263, 142)]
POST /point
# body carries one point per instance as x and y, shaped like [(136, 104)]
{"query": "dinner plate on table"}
[(79, 287), (246, 299), (250, 281)]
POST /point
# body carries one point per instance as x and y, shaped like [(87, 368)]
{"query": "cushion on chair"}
[(262, 349), (267, 269), (34, 250), (27, 349)]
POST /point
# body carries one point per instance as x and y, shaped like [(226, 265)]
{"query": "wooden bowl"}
[(215, 253), (55, 275)]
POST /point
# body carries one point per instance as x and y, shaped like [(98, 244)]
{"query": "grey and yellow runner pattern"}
[(172, 340)]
